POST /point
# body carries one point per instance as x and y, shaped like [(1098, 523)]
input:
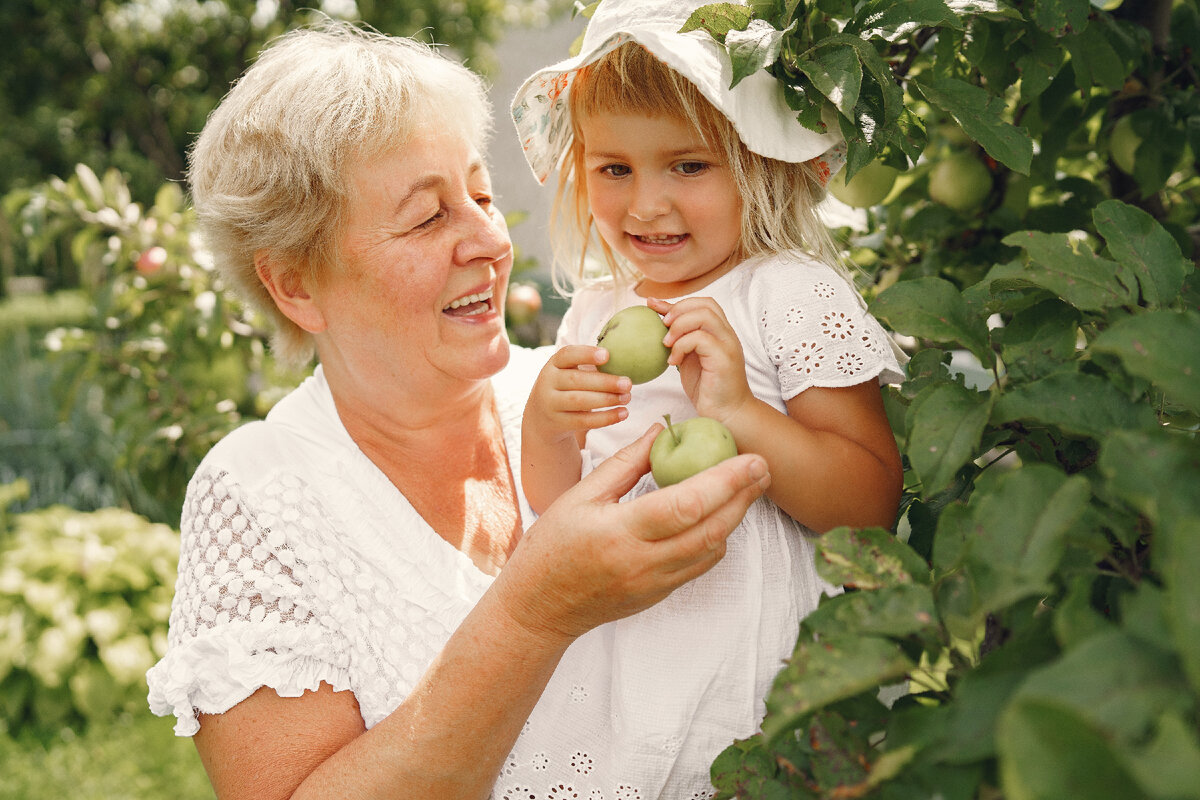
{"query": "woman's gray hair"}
[(272, 169)]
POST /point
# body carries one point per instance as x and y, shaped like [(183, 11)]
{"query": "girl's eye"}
[(692, 167), (615, 170)]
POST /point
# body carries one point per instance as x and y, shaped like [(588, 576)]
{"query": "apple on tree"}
[(633, 338), (869, 186), (151, 260), (960, 181), (682, 450), (523, 304)]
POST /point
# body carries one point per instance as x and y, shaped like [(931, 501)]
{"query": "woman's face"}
[(425, 262)]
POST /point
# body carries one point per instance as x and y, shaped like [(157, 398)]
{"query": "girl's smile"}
[(663, 199)]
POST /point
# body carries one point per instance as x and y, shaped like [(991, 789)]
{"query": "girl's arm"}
[(833, 455), (569, 398), (587, 561)]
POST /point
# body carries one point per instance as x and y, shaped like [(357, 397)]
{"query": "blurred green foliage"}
[(120, 399), (84, 603), (132, 756), (127, 84)]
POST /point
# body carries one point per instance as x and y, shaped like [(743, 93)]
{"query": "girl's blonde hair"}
[(779, 198), (272, 170)]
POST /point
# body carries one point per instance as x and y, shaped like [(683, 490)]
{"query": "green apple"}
[(634, 341), (869, 186), (1123, 143), (960, 181), (689, 447)]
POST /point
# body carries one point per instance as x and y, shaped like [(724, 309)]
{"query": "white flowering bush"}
[(84, 602)]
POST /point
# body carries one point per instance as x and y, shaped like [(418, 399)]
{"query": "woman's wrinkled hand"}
[(590, 559)]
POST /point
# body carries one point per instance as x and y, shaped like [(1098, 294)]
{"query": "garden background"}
[(1022, 208)]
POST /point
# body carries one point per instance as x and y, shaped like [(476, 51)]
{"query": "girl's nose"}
[(648, 201)]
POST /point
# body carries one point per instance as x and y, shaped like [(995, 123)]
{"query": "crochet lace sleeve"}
[(248, 610), (817, 332)]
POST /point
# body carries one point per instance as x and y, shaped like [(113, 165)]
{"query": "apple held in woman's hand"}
[(634, 341), (689, 447)]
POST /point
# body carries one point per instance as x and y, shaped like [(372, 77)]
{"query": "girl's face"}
[(662, 199)]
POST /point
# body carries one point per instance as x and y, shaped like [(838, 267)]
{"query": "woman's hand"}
[(590, 560), (709, 355)]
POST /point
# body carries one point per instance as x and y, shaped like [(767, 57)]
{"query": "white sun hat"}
[(756, 106)]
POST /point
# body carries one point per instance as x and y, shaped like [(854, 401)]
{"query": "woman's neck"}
[(446, 454)]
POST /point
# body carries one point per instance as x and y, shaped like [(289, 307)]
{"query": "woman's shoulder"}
[(302, 426)]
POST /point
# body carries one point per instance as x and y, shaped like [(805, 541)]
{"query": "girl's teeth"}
[(661, 239)]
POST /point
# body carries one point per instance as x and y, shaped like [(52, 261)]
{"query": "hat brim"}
[(756, 106)]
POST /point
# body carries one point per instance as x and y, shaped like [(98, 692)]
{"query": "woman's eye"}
[(615, 170), (431, 221), (484, 200)]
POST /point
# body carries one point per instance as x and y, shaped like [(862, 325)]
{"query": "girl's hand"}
[(571, 395), (708, 353)]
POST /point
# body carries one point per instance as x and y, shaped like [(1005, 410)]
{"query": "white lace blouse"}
[(300, 562)]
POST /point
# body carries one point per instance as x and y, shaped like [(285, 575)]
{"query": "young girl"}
[(704, 201)]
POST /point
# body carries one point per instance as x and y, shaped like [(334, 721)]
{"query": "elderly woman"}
[(363, 609)]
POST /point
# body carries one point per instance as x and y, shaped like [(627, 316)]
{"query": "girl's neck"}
[(669, 291)]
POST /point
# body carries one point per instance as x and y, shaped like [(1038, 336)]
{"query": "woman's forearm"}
[(450, 737)]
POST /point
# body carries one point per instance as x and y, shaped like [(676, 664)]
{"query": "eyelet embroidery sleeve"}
[(248, 610), (817, 331)]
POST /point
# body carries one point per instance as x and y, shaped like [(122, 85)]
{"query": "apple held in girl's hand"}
[(689, 447), (634, 341)]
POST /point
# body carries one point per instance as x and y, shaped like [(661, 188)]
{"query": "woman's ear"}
[(285, 282)]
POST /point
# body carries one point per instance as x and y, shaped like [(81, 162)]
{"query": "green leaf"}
[(932, 308), (869, 558), (1169, 766), (1058, 17), (1115, 682), (891, 15), (837, 73), (1140, 244), (1048, 752), (1155, 472), (1075, 403), (1161, 346), (945, 424), (1071, 271), (1096, 62), (1039, 340), (718, 19), (825, 670), (1178, 555), (895, 611), (753, 49), (1015, 531), (992, 9), (982, 117)]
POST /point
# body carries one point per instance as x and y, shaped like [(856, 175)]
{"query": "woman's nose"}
[(485, 235)]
